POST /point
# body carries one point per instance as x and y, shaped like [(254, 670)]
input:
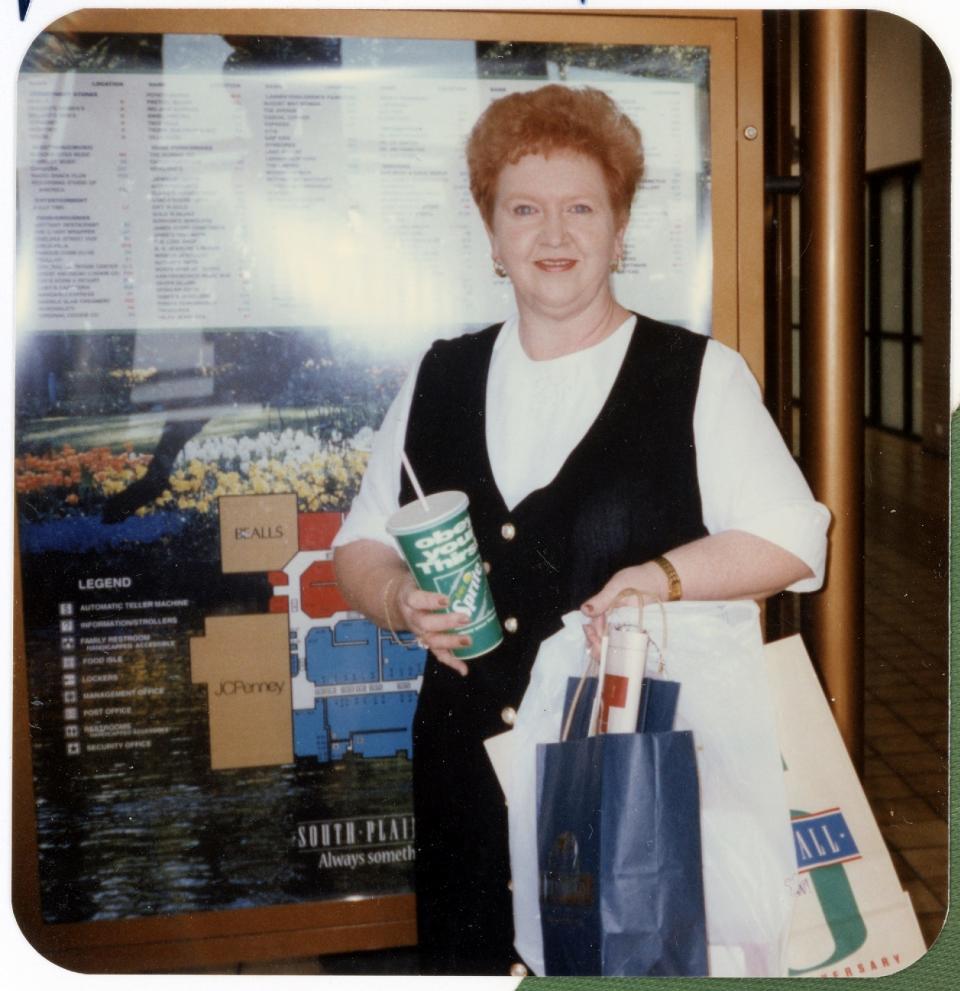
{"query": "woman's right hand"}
[(437, 631)]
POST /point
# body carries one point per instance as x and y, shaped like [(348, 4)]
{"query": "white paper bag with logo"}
[(852, 916), (714, 650)]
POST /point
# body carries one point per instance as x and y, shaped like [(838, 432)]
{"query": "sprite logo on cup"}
[(465, 595), (437, 541)]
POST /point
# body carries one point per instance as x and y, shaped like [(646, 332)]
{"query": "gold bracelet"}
[(675, 589), (416, 645), (386, 607)]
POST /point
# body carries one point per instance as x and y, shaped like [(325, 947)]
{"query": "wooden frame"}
[(735, 39)]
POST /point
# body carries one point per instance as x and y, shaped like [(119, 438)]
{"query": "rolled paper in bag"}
[(436, 538), (626, 654)]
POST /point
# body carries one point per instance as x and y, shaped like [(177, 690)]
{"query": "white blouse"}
[(538, 411)]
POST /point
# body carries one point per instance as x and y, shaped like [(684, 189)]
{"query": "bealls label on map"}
[(259, 532)]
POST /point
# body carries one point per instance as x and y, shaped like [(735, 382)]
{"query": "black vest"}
[(628, 491)]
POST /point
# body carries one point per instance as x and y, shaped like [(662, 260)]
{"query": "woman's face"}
[(555, 233)]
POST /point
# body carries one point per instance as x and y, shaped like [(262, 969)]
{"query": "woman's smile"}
[(555, 264)]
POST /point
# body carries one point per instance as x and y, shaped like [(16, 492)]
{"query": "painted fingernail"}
[(465, 641), (587, 608), (444, 602)]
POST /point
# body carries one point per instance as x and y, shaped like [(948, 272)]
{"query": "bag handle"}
[(642, 598), (621, 597), (575, 701)]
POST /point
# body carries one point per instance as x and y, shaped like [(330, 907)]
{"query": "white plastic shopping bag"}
[(714, 650)]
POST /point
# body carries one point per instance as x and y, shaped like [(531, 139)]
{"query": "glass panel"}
[(891, 385), (917, 239), (891, 256), (231, 249), (917, 426)]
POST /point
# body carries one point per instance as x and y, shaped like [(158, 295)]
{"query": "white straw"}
[(413, 481)]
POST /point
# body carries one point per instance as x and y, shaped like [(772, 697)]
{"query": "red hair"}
[(552, 119)]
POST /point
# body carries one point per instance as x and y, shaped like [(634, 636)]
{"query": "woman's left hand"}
[(646, 578)]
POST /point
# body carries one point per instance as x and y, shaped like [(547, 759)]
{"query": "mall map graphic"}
[(307, 678)]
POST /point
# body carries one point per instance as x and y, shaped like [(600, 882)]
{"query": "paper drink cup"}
[(441, 550)]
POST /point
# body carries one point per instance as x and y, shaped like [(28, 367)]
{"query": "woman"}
[(600, 450)]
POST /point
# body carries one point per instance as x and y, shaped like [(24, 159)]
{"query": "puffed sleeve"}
[(749, 480), (379, 495)]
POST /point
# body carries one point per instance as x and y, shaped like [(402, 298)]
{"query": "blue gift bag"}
[(618, 835)]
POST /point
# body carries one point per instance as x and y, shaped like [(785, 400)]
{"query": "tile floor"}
[(906, 704), (906, 672)]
